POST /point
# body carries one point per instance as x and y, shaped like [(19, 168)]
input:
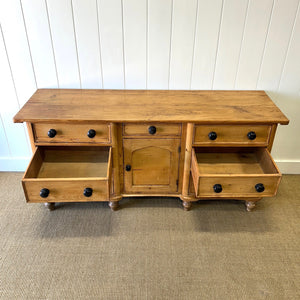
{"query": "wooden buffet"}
[(102, 145)]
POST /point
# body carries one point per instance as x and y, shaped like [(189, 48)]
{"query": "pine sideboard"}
[(103, 145)]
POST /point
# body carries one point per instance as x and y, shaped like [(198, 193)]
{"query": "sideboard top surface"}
[(206, 107)]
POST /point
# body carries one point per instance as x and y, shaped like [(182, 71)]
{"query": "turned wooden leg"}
[(250, 205), (187, 205), (114, 205), (50, 206)]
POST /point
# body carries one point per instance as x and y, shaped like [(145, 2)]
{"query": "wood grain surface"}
[(228, 135), (238, 173), (143, 129), (71, 133), (66, 172), (202, 107), (154, 165)]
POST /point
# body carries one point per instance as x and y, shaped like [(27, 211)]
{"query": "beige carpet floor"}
[(150, 249)]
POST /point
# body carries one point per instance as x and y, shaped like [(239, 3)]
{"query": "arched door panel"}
[(151, 165)]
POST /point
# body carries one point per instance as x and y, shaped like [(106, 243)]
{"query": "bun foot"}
[(114, 205), (187, 205), (50, 206), (250, 205)]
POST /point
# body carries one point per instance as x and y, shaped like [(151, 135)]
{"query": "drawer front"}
[(237, 186), (71, 133), (152, 130), (61, 190), (65, 172), (246, 135), (223, 175)]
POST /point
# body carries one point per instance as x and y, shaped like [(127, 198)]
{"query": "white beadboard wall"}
[(149, 44)]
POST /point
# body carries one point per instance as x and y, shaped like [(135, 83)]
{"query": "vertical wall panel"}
[(182, 44), (256, 28), (154, 44), (15, 133), (135, 37), (277, 43), (290, 80), (62, 29), (231, 33), (17, 48), (39, 37), (87, 37), (14, 91), (159, 34), (111, 43), (289, 91), (206, 41), (4, 150)]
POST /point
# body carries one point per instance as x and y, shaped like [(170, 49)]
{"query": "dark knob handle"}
[(259, 187), (152, 129), (88, 192), (44, 193), (52, 133), (128, 168), (91, 133), (212, 135), (218, 188), (251, 135)]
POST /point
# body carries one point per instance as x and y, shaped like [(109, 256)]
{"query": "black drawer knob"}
[(44, 193), (52, 133), (212, 135), (152, 129), (259, 187), (88, 192), (251, 135), (128, 168), (91, 133), (218, 188)]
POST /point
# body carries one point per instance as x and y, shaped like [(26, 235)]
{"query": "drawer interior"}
[(69, 162), (234, 172), (234, 161)]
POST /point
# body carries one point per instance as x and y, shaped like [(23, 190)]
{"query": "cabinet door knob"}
[(251, 135), (128, 168), (217, 188), (88, 192), (44, 193), (152, 129), (52, 133), (212, 135), (259, 187), (91, 133)]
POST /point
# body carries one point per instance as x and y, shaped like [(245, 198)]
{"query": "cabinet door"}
[(151, 165)]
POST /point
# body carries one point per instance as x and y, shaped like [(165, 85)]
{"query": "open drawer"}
[(234, 173), (67, 174)]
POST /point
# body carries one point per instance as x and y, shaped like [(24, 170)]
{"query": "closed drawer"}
[(66, 174), (152, 130), (93, 133), (240, 173), (244, 135)]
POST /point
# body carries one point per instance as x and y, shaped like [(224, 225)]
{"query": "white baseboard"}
[(19, 164), (288, 166), (16, 164)]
